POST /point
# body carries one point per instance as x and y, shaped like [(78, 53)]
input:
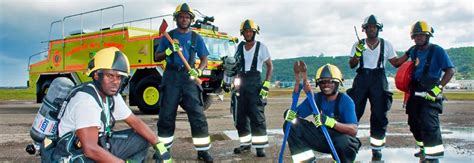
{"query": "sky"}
[(289, 28)]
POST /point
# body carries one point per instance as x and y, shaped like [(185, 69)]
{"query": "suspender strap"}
[(361, 63), (381, 56), (428, 60), (382, 52), (427, 65), (255, 58), (192, 50), (240, 51)]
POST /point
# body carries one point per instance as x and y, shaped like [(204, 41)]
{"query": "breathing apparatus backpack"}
[(44, 130)]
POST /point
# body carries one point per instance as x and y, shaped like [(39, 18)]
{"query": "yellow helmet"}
[(329, 71), (421, 27), (183, 8), (249, 24), (111, 59)]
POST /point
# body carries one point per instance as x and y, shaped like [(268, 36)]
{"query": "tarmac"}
[(457, 128)]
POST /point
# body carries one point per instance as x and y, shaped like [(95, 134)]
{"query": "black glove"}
[(226, 87)]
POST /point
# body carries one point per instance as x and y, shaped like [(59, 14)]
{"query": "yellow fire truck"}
[(68, 57)]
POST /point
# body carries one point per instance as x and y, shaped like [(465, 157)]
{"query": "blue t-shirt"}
[(439, 62), (184, 42), (346, 108)]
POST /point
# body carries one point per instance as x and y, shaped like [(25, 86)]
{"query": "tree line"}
[(462, 58)]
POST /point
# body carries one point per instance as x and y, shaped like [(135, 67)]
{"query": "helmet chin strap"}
[(97, 83)]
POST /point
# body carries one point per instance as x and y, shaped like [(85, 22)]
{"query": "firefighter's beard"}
[(183, 26)]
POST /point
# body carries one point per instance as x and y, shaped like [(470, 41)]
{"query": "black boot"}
[(242, 149), (376, 155), (420, 153), (205, 156), (260, 152)]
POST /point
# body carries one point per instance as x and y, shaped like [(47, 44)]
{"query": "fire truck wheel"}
[(207, 99), (40, 94), (148, 95)]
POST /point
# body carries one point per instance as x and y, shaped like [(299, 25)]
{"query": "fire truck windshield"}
[(219, 47)]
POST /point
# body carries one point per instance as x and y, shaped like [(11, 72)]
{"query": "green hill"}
[(463, 59)]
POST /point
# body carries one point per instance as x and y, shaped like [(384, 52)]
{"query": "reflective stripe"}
[(419, 143), (203, 148), (202, 141), (377, 142), (434, 150), (259, 139), (246, 139), (166, 140), (304, 156)]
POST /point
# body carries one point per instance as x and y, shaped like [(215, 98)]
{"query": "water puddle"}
[(406, 155), (452, 153), (463, 133)]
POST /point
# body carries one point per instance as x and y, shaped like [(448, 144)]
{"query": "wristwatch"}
[(440, 86)]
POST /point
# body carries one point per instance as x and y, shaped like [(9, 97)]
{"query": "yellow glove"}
[(323, 119), (174, 48), (162, 153), (290, 115), (434, 92), (194, 73), (329, 122), (360, 48), (264, 90), (317, 120)]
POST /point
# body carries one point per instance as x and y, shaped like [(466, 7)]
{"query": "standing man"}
[(371, 82), (85, 129), (423, 112), (337, 114), (252, 93), (177, 87)]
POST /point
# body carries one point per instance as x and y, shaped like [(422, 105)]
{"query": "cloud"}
[(288, 28)]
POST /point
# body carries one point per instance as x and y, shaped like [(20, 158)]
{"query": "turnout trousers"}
[(249, 115), (305, 137), (125, 144), (178, 89), (423, 119), (372, 84)]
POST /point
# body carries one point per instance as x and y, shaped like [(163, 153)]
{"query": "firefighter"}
[(337, 114), (177, 87), (252, 93), (85, 129), (371, 83), (431, 61)]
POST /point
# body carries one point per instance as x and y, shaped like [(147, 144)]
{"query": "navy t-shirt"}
[(346, 108), (184, 42), (439, 61)]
